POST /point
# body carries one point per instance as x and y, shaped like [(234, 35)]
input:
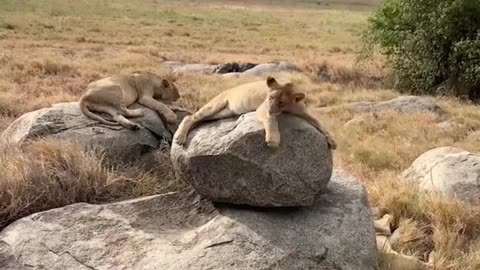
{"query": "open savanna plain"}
[(51, 49)]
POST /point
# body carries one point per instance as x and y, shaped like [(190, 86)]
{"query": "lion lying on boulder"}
[(269, 99), (112, 95)]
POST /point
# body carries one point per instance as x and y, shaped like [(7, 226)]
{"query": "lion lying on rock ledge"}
[(112, 95), (268, 99)]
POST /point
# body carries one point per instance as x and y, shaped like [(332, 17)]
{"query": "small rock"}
[(65, 121), (450, 171), (228, 161), (180, 231)]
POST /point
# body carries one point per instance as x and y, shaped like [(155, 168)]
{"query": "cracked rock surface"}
[(228, 161), (181, 231), (450, 171), (65, 121)]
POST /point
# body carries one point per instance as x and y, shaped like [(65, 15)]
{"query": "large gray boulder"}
[(233, 69), (65, 121), (402, 104), (179, 231), (450, 171), (195, 68), (228, 161), (265, 70), (367, 111)]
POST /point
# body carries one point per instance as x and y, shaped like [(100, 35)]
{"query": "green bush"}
[(433, 46)]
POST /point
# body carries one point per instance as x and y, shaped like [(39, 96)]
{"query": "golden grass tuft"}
[(48, 174), (353, 74), (414, 238), (429, 222), (49, 67)]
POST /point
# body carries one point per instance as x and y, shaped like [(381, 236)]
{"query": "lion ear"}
[(165, 83), (271, 82), (298, 97)]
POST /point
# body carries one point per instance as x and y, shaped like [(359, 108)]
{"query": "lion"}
[(112, 95), (268, 100), (394, 259)]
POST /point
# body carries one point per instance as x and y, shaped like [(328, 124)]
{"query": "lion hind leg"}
[(224, 113), (208, 112), (117, 116), (84, 107), (126, 123), (132, 113)]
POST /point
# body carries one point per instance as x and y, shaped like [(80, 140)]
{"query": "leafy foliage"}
[(430, 44)]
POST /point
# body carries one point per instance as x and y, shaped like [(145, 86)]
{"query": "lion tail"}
[(88, 113)]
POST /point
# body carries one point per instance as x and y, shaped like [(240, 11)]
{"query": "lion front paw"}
[(273, 141), (180, 139), (177, 108), (273, 144), (171, 117)]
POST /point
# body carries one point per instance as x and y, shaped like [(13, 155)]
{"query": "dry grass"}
[(429, 223), (49, 174), (51, 50)]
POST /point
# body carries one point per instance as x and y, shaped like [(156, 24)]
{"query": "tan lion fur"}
[(268, 98), (112, 95), (394, 259)]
